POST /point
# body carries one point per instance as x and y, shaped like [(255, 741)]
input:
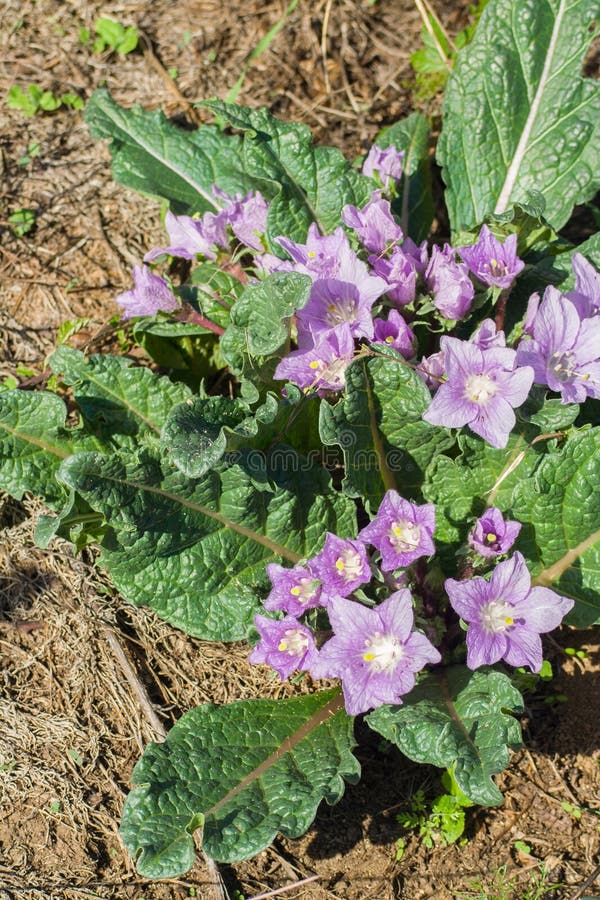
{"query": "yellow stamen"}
[(331, 307), (389, 339), (368, 657), (282, 646), (339, 564), (491, 537), (508, 620), (314, 364), (295, 591), (311, 254)]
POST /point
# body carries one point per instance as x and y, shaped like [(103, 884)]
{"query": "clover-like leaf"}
[(561, 504), (195, 550), (378, 424), (457, 719), (517, 114), (244, 772)]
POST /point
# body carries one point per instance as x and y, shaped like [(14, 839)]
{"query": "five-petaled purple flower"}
[(374, 224), (151, 294), (401, 531), (564, 352), (586, 293), (374, 651), (493, 535), (188, 236), (342, 566), (294, 590), (321, 367), (285, 645), (506, 615), (493, 262), (399, 273), (482, 389)]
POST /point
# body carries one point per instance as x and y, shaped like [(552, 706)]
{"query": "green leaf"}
[(561, 503), (26, 101), (457, 718), (415, 200), (34, 441), (155, 157), (548, 414), (195, 550), (114, 397), (517, 114), (244, 772), (199, 431), (260, 318), (480, 476), (377, 423), (304, 183)]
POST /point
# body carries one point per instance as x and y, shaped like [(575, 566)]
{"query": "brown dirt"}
[(72, 726)]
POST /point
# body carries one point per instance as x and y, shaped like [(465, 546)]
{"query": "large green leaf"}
[(305, 183), (34, 440), (378, 424), (415, 200), (517, 115), (457, 719), (244, 772), (114, 397), (158, 158), (561, 503), (195, 550)]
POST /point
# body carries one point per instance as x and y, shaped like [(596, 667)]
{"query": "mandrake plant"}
[(373, 457)]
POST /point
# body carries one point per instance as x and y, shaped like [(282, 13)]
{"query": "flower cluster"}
[(373, 646)]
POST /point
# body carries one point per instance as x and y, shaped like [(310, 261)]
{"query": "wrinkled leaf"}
[(245, 772), (518, 116), (457, 719)]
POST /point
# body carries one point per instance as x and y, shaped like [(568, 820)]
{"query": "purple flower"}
[(384, 164), (294, 590), (285, 645), (374, 224), (373, 651), (335, 303), (399, 273), (151, 294), (321, 367), (449, 283), (565, 351), (401, 531), (432, 370), (494, 263), (533, 305), (322, 255), (493, 535), (342, 566), (586, 294), (486, 336), (247, 216), (418, 254), (394, 332), (506, 615), (188, 236), (482, 388)]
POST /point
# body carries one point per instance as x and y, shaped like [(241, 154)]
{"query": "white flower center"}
[(479, 388), (294, 642), (497, 268), (404, 535), (383, 652), (496, 616), (305, 590), (349, 565), (340, 311), (562, 366)]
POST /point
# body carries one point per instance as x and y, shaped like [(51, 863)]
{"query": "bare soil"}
[(73, 720)]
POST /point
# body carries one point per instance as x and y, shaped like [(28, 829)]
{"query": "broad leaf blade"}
[(155, 157), (378, 424), (195, 550), (457, 719), (518, 116), (115, 397), (562, 506), (247, 771), (305, 183)]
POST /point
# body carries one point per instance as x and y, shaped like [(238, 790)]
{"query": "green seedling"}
[(114, 36), (22, 221), (34, 99)]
